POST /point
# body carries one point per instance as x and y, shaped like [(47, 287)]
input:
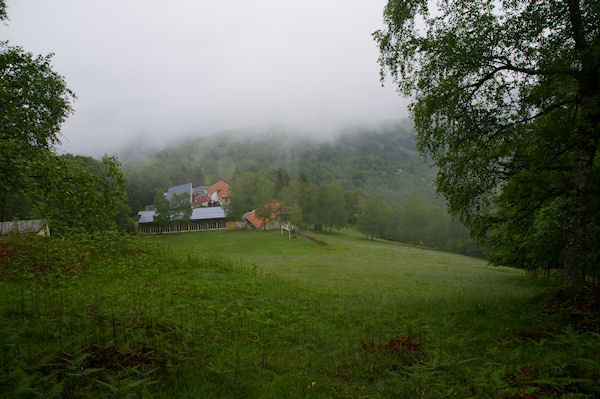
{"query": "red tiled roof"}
[(220, 186), (201, 199), (257, 222), (254, 220)]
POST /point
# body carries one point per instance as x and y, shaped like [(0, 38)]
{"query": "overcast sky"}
[(161, 70)]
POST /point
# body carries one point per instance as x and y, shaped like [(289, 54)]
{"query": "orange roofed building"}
[(219, 192), (272, 222)]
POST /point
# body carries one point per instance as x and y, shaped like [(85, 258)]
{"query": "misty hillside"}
[(383, 161)]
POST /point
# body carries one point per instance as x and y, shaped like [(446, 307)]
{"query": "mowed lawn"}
[(350, 263)]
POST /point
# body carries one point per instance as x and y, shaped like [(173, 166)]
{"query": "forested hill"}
[(383, 161)]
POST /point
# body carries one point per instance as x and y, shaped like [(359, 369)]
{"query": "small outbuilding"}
[(253, 221), (36, 226)]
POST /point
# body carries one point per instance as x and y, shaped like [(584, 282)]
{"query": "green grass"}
[(352, 265), (347, 262), (254, 314)]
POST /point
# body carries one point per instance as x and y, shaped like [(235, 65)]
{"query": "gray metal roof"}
[(197, 214), (208, 213), (184, 188)]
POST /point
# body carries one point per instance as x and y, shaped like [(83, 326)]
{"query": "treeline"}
[(328, 206), (416, 222), (72, 193), (379, 159)]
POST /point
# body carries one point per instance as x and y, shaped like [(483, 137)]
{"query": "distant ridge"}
[(358, 158)]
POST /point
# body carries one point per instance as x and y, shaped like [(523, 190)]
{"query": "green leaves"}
[(71, 193), (34, 98), (249, 191), (501, 91), (72, 198), (177, 209), (34, 102)]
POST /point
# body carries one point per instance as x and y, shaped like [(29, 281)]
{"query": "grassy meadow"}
[(242, 314)]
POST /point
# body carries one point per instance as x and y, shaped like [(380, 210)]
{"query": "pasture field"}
[(391, 273), (244, 314)]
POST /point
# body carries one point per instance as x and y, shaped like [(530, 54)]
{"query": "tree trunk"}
[(588, 133), (2, 212), (577, 215), (576, 222)]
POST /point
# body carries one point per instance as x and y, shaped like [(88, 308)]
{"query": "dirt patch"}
[(537, 334), (580, 311), (6, 252), (399, 346), (311, 237), (113, 358)]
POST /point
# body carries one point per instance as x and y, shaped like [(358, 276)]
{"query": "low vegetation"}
[(255, 314)]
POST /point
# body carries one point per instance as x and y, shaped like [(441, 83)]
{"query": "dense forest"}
[(382, 160)]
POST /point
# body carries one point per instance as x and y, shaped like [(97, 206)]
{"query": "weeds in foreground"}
[(120, 317)]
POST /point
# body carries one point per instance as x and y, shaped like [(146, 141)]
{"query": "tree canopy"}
[(70, 193), (507, 104), (34, 102), (249, 191), (175, 210), (3, 15), (78, 193)]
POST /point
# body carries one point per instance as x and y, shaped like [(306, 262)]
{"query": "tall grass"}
[(255, 315)]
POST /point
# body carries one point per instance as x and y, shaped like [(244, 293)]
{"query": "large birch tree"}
[(506, 101)]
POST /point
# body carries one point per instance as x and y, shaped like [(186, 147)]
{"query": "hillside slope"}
[(170, 316), (382, 160)]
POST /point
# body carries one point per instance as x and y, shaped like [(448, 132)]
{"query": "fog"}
[(152, 72)]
